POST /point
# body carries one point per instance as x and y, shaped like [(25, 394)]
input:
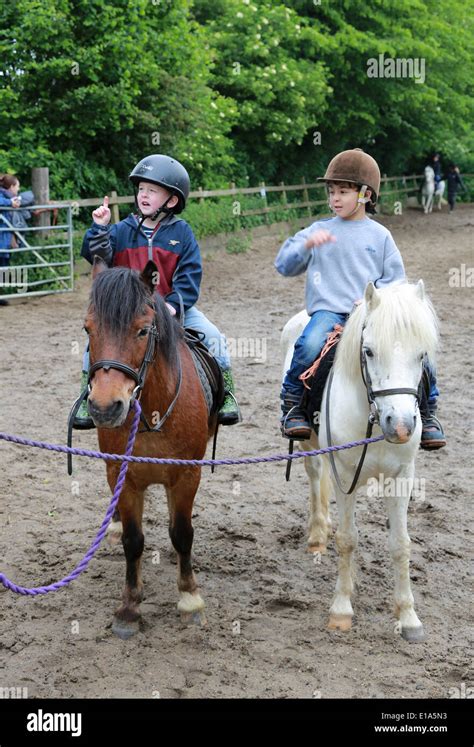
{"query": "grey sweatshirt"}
[(337, 273)]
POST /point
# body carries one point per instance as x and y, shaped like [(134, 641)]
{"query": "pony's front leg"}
[(127, 616), (319, 496), (399, 543), (180, 505), (341, 611)]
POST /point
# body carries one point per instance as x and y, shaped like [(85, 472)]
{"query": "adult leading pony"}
[(134, 341), (377, 370), (430, 191)]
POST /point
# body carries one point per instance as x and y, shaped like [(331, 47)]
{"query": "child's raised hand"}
[(319, 237), (102, 214)]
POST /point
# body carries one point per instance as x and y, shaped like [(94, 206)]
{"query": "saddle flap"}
[(313, 397), (205, 361)]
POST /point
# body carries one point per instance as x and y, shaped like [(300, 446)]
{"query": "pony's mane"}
[(400, 315), (118, 295)]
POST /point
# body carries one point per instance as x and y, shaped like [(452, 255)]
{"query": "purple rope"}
[(188, 462), (126, 459), (99, 536)]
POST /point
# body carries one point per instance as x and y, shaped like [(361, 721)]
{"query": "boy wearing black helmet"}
[(161, 185)]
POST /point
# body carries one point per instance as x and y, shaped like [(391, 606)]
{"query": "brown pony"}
[(137, 348)]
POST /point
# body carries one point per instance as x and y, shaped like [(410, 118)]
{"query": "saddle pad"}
[(208, 370)]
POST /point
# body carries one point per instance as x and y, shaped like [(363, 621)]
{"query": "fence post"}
[(305, 194), (40, 187), (115, 207), (283, 194), (201, 199)]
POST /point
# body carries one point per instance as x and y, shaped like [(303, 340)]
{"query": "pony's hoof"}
[(340, 622), (414, 635), (318, 547), (125, 629)]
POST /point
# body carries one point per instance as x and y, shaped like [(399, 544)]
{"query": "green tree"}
[(91, 86)]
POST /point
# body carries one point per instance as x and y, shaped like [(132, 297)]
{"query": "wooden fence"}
[(402, 184)]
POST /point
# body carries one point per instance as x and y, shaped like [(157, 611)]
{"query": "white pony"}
[(430, 192), (387, 335)]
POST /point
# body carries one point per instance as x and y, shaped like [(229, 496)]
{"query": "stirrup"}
[(301, 432)]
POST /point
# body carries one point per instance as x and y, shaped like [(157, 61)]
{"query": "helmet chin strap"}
[(361, 199), (162, 209)]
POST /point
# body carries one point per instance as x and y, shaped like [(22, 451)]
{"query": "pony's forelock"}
[(118, 295)]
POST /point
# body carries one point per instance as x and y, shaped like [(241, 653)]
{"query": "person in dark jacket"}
[(454, 180), (154, 232), (9, 185), (436, 165)]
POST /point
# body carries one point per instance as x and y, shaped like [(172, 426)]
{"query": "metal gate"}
[(44, 256)]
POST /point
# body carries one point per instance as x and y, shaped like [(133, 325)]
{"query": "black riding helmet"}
[(168, 173)]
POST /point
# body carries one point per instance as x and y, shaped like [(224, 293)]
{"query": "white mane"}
[(400, 315)]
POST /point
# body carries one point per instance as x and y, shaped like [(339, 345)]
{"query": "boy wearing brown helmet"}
[(341, 255)]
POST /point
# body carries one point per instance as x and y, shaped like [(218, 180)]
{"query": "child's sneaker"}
[(294, 421), (432, 435)]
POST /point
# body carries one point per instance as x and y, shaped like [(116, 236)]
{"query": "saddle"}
[(209, 371)]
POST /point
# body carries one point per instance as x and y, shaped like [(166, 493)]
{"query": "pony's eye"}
[(369, 353), (143, 332)]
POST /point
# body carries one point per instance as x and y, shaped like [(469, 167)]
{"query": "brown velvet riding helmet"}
[(354, 166)]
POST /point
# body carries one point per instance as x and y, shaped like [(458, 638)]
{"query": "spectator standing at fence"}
[(454, 180), (8, 198), (21, 217)]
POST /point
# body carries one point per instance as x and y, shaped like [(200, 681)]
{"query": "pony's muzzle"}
[(110, 416), (397, 428)]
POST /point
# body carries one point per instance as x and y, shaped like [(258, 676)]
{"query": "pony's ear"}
[(371, 297), (420, 289), (150, 275), (98, 266)]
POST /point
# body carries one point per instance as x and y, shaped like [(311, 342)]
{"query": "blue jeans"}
[(309, 345), (213, 339)]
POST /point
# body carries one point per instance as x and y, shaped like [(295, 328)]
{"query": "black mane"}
[(118, 295)]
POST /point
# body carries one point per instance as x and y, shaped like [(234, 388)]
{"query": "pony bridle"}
[(137, 376), (140, 375), (374, 416)]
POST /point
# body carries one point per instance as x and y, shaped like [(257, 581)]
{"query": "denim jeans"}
[(213, 339), (309, 345)]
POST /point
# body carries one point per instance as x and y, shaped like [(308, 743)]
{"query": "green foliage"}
[(239, 90), (238, 244)]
